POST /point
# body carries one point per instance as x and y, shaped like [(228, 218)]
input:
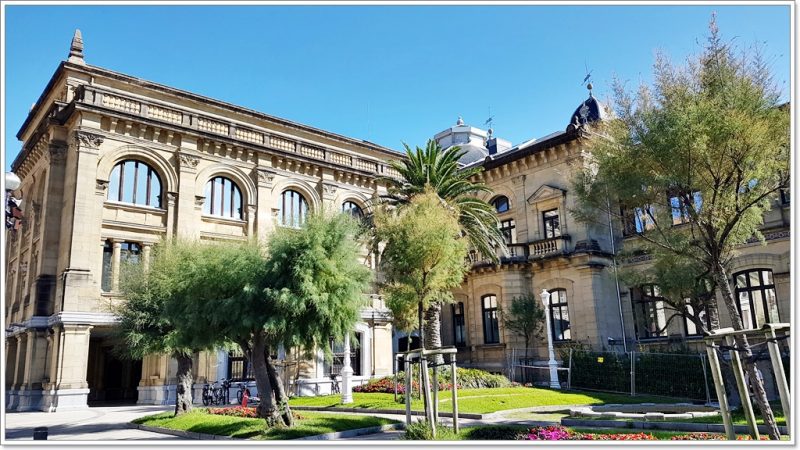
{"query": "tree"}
[(146, 323), (526, 317), (706, 150), (424, 255), (308, 286), (432, 168)]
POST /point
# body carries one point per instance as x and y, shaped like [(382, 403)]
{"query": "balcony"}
[(548, 247), (516, 253)]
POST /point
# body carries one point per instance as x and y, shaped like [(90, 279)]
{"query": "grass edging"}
[(185, 434), (352, 433), (389, 411), (666, 426)]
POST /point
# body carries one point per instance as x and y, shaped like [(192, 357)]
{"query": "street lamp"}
[(347, 373), (12, 181), (552, 362)]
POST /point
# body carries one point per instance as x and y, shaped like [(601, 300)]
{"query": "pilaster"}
[(188, 217)]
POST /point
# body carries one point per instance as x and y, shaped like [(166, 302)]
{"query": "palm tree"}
[(432, 166)]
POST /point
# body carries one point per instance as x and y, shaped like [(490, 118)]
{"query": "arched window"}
[(223, 198), (501, 204), (135, 182), (293, 209), (559, 315), (353, 209)]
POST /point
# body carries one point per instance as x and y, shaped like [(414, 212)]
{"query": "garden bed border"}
[(663, 426), (388, 411)]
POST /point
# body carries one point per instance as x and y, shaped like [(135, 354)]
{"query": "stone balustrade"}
[(547, 247), (97, 96)]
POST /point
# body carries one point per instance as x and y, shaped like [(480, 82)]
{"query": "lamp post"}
[(13, 205), (554, 384), (347, 373)]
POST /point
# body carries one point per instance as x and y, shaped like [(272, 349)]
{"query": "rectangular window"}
[(650, 318), (507, 227), (643, 218), (757, 302), (786, 197), (551, 224), (691, 327), (491, 332), (459, 337), (681, 211), (559, 315), (238, 368), (336, 365)]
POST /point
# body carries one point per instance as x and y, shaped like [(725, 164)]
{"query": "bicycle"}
[(215, 395), (334, 385)]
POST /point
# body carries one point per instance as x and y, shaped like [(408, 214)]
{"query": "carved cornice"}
[(87, 140), (329, 190), (101, 186), (199, 201)]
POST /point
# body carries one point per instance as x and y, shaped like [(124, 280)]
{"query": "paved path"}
[(98, 423)]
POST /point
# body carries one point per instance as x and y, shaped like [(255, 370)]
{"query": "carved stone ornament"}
[(188, 161), (57, 151), (171, 197), (101, 186), (265, 177), (329, 189), (88, 140), (199, 200)]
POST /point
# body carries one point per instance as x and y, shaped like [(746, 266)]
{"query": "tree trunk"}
[(266, 408), (183, 397), (280, 394), (433, 329), (746, 354)]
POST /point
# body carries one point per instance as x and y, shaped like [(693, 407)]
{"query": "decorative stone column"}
[(186, 216), (146, 247), (70, 389), (12, 349), (347, 373), (264, 224), (30, 396)]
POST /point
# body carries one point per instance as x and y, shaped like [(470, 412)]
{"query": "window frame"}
[(210, 204), (491, 322), (548, 224), (508, 229), (762, 287), (458, 313), (647, 304), (496, 204), (116, 183), (302, 204), (353, 207), (563, 306)]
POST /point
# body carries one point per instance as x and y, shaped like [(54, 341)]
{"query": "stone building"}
[(112, 164), (550, 250)]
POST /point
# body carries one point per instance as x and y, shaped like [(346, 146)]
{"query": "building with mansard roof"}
[(111, 164)]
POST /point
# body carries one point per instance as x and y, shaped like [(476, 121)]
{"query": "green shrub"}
[(421, 431), (496, 433)]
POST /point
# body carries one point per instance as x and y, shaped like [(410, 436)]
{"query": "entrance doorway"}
[(111, 379)]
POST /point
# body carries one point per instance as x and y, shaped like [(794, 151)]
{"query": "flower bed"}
[(560, 433), (238, 411)]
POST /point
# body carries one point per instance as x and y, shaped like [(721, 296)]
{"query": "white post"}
[(347, 373), (554, 384)]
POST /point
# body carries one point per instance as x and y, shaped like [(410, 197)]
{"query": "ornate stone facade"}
[(63, 279)]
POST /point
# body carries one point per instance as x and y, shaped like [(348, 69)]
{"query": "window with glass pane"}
[(459, 337), (551, 224), (507, 228), (757, 302), (648, 306), (680, 210), (108, 253), (786, 197), (501, 204), (135, 182), (223, 198), (491, 332), (293, 209), (691, 327), (130, 253), (559, 315), (353, 209)]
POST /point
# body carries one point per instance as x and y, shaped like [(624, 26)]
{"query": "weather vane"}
[(489, 120)]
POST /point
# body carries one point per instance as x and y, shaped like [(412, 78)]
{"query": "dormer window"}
[(501, 204)]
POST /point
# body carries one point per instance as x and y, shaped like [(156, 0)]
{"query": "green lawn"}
[(311, 423), (482, 401)]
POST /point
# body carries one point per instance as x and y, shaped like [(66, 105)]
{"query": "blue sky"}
[(387, 74)]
